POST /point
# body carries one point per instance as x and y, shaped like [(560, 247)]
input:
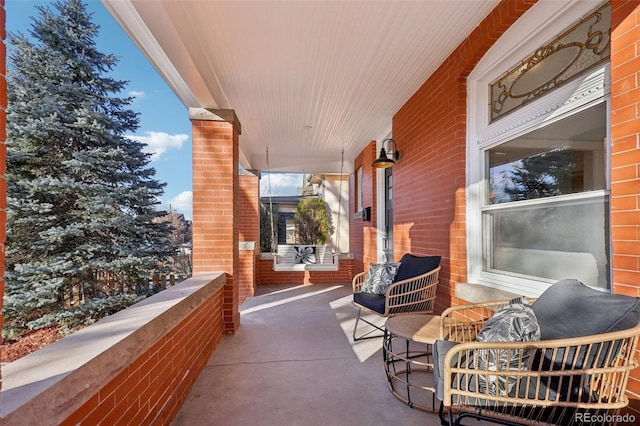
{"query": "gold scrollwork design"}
[(582, 46)]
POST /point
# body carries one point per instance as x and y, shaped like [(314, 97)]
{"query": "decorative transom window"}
[(583, 45), (538, 185)]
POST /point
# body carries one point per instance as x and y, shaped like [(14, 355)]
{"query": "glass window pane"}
[(565, 157), (553, 242)]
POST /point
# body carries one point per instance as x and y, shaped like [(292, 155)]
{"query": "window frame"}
[(583, 92), (359, 190)]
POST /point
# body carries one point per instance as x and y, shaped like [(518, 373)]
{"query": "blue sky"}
[(164, 120)]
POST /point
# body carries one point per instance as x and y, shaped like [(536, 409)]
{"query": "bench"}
[(303, 257)]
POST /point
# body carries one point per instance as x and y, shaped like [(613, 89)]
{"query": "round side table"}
[(407, 349)]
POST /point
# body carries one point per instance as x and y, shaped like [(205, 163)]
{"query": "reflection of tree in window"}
[(544, 175)]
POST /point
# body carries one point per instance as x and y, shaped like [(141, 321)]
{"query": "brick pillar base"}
[(215, 202)]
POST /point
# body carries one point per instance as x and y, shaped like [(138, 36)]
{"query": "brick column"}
[(625, 151), (215, 136), (625, 161), (249, 232)]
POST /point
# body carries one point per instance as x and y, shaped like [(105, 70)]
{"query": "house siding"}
[(430, 178), (362, 235)]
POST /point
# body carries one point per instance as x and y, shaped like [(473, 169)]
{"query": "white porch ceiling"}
[(306, 78)]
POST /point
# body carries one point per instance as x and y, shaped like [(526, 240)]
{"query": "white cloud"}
[(159, 142), (183, 203), (281, 184), (136, 94)]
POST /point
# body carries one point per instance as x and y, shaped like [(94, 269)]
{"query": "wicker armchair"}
[(564, 380), (413, 295)]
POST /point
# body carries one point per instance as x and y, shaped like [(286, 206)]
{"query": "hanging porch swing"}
[(303, 257)]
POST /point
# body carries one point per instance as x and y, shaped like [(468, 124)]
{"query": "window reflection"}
[(565, 157)]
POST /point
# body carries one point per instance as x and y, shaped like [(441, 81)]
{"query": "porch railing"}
[(135, 366), (113, 284)]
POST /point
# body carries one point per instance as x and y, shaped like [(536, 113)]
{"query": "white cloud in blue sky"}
[(136, 94), (182, 203), (160, 142), (280, 184)]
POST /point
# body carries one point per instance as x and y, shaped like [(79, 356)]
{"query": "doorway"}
[(387, 239)]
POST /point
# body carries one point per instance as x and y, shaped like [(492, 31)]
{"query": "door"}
[(388, 214)]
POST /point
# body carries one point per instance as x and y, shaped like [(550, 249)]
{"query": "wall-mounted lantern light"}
[(385, 161)]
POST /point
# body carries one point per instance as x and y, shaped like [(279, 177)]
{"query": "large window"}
[(538, 187), (545, 215), (565, 157), (544, 209)]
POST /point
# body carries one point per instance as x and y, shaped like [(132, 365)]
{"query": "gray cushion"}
[(412, 266), (379, 277), (440, 349), (571, 309)]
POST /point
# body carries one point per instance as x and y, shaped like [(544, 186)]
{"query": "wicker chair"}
[(563, 380), (413, 292)]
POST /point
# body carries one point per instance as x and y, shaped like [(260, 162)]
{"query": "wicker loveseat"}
[(576, 373)]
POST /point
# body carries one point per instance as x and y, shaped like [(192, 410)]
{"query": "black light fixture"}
[(384, 161)]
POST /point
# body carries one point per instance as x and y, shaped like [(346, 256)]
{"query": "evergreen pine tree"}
[(312, 222), (81, 195)]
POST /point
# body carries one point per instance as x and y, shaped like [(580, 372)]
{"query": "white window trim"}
[(519, 41), (359, 189), (380, 205)]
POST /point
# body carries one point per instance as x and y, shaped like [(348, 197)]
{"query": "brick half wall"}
[(141, 363), (267, 276)]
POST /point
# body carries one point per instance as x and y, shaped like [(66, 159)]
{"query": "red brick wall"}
[(215, 207), (153, 388), (267, 276), (249, 231), (362, 235), (429, 180), (3, 156), (625, 158)]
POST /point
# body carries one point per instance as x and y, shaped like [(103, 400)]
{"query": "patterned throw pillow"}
[(379, 278), (514, 322), (305, 254)]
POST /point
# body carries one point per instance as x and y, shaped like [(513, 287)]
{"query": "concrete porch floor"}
[(292, 362)]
